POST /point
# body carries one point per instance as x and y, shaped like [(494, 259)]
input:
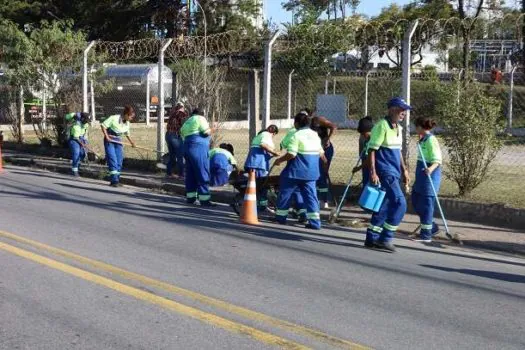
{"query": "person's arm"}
[(291, 151), (269, 150), (204, 127), (372, 166), (377, 138), (435, 156), (286, 157), (406, 175), (329, 125), (105, 132), (130, 141)]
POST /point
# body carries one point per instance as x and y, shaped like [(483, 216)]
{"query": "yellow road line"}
[(233, 309), (154, 299)]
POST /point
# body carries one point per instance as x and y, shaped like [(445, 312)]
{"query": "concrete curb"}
[(498, 215)]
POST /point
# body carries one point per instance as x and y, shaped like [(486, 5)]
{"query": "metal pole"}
[(326, 86), (148, 99), (44, 109), (85, 106), (366, 91), (290, 94), (407, 60), (160, 111), (205, 46), (267, 80), (334, 86), (511, 98), (253, 103), (93, 107)]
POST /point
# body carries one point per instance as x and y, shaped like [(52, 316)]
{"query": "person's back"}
[(305, 144)]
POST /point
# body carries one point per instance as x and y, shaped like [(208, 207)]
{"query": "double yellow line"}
[(206, 317)]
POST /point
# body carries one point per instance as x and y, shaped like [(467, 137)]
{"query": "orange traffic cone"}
[(249, 206)]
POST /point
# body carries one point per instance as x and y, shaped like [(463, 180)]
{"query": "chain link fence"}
[(343, 70)]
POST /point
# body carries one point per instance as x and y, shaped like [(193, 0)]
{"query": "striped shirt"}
[(176, 120)]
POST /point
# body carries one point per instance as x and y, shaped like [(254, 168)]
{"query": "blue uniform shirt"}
[(305, 144), (386, 140)]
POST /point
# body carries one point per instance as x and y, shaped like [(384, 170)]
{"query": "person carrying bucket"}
[(222, 163), (175, 166), (387, 168), (303, 154), (325, 129), (423, 196), (196, 137), (78, 140), (364, 128), (262, 149), (113, 128)]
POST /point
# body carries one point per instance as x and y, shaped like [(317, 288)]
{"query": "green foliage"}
[(471, 119)]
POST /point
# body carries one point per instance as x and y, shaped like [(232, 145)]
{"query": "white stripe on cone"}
[(250, 197)]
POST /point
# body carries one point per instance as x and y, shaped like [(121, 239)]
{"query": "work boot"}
[(114, 184), (387, 246), (75, 174), (370, 244)]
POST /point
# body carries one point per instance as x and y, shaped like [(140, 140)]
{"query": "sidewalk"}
[(474, 236)]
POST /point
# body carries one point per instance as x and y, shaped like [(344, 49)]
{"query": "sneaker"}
[(422, 240), (311, 227), (369, 244), (325, 205), (386, 246), (114, 184), (208, 204), (302, 219), (75, 174)]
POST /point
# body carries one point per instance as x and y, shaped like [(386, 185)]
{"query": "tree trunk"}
[(466, 50), (523, 34)]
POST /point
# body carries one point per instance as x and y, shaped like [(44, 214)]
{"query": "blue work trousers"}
[(307, 189), (197, 177), (114, 158), (176, 154), (384, 223), (424, 207), (77, 155)]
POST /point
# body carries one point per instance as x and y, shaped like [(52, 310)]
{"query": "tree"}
[(471, 123), (468, 27)]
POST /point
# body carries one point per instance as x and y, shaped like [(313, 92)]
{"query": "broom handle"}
[(138, 147), (348, 185), (434, 190)]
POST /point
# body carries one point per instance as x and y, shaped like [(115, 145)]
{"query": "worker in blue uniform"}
[(113, 128), (196, 134), (78, 140), (387, 168), (297, 198), (262, 149), (301, 172), (423, 196), (222, 163)]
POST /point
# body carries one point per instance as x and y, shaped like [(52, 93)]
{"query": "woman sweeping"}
[(387, 168), (113, 128), (423, 197)]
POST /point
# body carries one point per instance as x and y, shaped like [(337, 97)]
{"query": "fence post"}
[(21, 116), (93, 107), (160, 111), (267, 82), (148, 99), (85, 104), (334, 86), (44, 108), (367, 77), (511, 99), (407, 60), (253, 103), (326, 85), (290, 94)]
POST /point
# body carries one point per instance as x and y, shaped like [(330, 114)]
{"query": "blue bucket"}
[(372, 198)]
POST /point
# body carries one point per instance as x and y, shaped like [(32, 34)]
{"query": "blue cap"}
[(399, 102)]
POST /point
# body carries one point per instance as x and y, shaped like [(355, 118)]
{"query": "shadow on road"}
[(501, 276)]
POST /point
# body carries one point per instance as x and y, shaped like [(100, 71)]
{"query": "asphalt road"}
[(85, 266)]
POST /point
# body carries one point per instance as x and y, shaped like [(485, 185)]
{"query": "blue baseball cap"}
[(399, 102)]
